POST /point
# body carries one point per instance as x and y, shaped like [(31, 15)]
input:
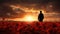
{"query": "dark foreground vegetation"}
[(29, 28)]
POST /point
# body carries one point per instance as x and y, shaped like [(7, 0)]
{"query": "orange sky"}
[(32, 14)]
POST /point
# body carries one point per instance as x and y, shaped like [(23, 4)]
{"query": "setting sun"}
[(29, 18)]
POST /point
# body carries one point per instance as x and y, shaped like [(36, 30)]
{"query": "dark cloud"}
[(24, 1), (7, 12), (5, 9)]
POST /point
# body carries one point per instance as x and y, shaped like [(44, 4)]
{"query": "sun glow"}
[(29, 18)]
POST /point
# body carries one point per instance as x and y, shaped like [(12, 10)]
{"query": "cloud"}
[(7, 12)]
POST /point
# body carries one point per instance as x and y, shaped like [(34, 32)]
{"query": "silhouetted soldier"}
[(41, 16)]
